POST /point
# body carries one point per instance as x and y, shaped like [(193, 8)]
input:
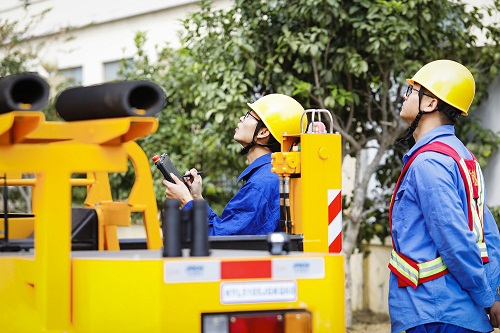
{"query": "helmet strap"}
[(273, 144), (411, 129), (414, 124), (247, 148)]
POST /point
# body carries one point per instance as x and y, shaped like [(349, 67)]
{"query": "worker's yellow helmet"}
[(279, 113), (448, 80)]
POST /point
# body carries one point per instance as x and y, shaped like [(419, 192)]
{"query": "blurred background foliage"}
[(351, 57)]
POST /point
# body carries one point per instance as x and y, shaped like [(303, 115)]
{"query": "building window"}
[(72, 74), (112, 68)]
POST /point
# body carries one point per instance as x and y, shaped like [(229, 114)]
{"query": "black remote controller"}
[(165, 165)]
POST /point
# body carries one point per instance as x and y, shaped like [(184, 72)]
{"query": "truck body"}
[(80, 278)]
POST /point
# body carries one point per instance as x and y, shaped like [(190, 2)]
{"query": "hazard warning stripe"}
[(246, 269), (334, 221)]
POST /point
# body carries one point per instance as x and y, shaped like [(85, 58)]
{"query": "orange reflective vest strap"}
[(411, 273), (474, 183), (484, 252)]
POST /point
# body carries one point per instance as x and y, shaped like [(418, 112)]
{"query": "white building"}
[(102, 32)]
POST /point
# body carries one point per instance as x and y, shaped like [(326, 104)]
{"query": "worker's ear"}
[(430, 104), (263, 133)]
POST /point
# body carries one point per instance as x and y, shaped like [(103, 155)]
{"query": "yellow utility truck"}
[(64, 269)]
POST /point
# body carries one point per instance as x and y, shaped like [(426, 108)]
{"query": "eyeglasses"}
[(249, 113), (410, 90)]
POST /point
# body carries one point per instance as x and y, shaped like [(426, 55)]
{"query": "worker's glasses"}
[(249, 113), (410, 90)]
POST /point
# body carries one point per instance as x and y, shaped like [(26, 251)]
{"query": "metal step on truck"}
[(64, 269)]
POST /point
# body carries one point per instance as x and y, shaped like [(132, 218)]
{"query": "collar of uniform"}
[(264, 159), (432, 135)]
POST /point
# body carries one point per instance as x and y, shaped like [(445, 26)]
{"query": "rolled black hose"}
[(200, 246), (111, 100), (171, 227), (23, 92)]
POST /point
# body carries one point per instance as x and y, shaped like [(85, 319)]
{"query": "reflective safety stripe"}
[(419, 274), (412, 273), (474, 182), (431, 267), (403, 268), (483, 250)]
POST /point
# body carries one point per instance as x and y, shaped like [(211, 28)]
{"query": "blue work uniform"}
[(255, 208), (429, 219)]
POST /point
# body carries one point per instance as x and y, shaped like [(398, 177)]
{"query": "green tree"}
[(351, 57), (197, 125), (16, 55)]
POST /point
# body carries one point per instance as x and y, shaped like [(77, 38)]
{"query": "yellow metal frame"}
[(155, 306), (54, 290), (53, 151), (125, 294), (19, 227), (141, 200), (318, 163)]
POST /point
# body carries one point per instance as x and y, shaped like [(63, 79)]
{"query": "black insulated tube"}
[(171, 227), (23, 92), (186, 228), (111, 100), (199, 246)]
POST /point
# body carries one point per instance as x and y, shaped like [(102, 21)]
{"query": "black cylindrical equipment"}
[(5, 210), (111, 100), (200, 246), (171, 226), (23, 92), (186, 228)]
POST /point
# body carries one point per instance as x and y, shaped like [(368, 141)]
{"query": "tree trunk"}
[(355, 217), (348, 291), (26, 194)]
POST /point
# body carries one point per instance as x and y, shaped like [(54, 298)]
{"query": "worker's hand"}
[(495, 314), (195, 183), (177, 191)]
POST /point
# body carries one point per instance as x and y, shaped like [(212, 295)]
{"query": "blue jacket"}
[(429, 219), (255, 208)]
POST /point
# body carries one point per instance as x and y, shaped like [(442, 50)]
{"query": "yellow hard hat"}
[(280, 113), (448, 80)]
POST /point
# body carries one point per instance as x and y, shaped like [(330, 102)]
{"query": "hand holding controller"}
[(164, 164)]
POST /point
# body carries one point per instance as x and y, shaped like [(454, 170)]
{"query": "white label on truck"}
[(295, 268), (191, 271), (258, 292)]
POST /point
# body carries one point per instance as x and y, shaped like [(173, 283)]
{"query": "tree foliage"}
[(17, 56), (351, 57)]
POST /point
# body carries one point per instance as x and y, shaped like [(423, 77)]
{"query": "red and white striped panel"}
[(334, 221)]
